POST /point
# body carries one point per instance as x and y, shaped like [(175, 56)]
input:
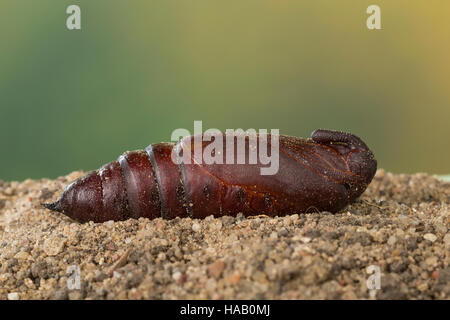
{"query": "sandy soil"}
[(401, 224)]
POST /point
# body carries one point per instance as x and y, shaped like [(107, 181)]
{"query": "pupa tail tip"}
[(51, 206)]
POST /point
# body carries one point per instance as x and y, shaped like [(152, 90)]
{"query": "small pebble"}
[(196, 227), (53, 246), (22, 255), (392, 240), (176, 276), (429, 236), (234, 278), (431, 261), (13, 296), (215, 269), (447, 240)]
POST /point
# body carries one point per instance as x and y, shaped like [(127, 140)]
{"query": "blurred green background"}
[(139, 69)]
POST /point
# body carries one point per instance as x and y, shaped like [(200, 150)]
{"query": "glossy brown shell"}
[(324, 173)]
